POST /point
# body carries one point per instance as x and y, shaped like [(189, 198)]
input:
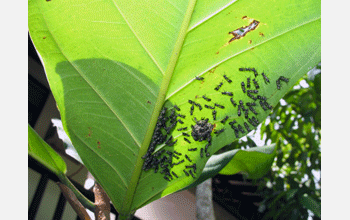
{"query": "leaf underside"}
[(112, 66)]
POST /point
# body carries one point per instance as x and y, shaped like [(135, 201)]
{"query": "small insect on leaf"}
[(191, 174), (227, 79), (181, 129), (177, 108), (265, 78), (256, 84), (187, 140), (174, 174), (227, 93), (252, 110), (246, 113), (175, 152), (262, 104), (278, 83), (247, 127), (284, 79), (172, 143), (199, 78), (199, 106), (233, 102), (220, 106), (243, 87), (188, 158), (253, 91), (224, 120), (185, 134), (214, 115), (219, 131), (186, 173), (249, 69), (181, 116), (251, 96), (261, 97), (240, 128), (209, 107), (218, 87), (192, 109), (206, 98)]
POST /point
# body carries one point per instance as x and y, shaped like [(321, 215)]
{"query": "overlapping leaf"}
[(42, 152), (112, 65)]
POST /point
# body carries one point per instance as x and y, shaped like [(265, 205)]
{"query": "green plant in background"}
[(118, 68), (295, 127), (290, 188)]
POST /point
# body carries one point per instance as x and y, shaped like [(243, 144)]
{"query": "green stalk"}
[(82, 199), (125, 211)]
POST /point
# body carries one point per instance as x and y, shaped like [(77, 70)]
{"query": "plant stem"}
[(204, 201), (84, 201), (102, 202), (74, 202), (125, 216)]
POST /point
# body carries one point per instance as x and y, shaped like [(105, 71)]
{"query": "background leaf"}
[(311, 204), (226, 163), (42, 152), (253, 162), (111, 70)]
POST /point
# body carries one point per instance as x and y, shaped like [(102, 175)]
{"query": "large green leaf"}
[(42, 152), (112, 65)]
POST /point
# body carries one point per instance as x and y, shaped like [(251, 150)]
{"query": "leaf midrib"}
[(129, 196)]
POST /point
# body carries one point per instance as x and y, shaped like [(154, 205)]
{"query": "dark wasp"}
[(209, 107), (227, 93), (218, 87), (214, 115), (224, 120), (206, 98), (233, 102), (256, 84), (227, 79), (265, 78), (220, 106), (243, 87)]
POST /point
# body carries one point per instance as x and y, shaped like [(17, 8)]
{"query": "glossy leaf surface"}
[(112, 66), (42, 152)]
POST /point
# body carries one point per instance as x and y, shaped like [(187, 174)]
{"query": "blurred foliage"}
[(295, 127), (290, 188)]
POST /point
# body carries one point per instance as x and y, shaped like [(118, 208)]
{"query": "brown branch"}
[(77, 171), (102, 202), (74, 202)]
